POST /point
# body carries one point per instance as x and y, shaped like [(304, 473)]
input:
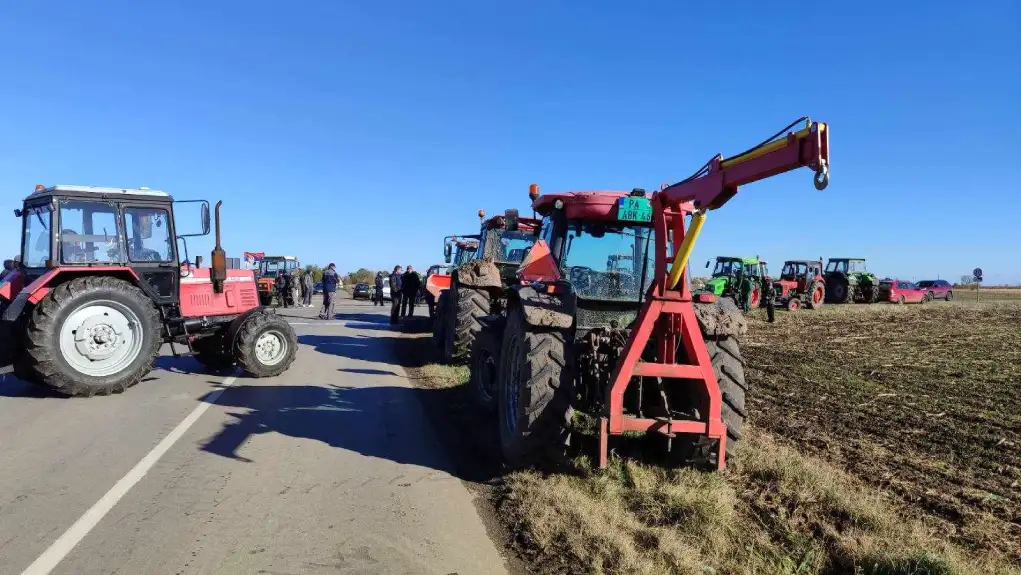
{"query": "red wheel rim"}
[(817, 295)]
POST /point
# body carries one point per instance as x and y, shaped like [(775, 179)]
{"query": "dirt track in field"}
[(923, 401)]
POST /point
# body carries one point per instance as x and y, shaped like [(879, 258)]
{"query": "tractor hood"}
[(717, 285)]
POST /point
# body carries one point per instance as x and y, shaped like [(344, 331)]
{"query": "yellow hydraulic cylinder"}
[(684, 251)]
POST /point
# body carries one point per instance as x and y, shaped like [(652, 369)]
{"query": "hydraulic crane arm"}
[(718, 180)]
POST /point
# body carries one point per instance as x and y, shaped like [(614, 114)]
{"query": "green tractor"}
[(849, 281), (727, 275)]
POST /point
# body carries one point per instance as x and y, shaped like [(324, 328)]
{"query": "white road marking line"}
[(62, 546)]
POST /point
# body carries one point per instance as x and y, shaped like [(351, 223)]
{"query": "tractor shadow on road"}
[(383, 421)]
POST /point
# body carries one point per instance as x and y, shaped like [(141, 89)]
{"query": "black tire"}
[(840, 290), (254, 327), (212, 352), (535, 392), (950, 296), (728, 365), (472, 304), (793, 303), (42, 361), (900, 300), (485, 367), (438, 321), (266, 299)]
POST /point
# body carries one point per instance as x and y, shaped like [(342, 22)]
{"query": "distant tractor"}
[(727, 274), (849, 281), (801, 284), (101, 286), (477, 285), (269, 268), (456, 251)]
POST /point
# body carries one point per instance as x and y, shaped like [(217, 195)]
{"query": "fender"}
[(546, 310), (479, 274), (722, 318), (236, 323)]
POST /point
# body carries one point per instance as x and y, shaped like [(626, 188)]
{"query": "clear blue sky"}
[(346, 131)]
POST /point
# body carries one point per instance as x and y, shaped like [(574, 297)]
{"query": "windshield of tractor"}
[(606, 261), (506, 246), (88, 232), (752, 270), (464, 254), (35, 247), (844, 266), (270, 268), (793, 270), (726, 268)]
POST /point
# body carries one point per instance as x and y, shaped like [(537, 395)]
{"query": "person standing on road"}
[(395, 295), (377, 296), (330, 281), (746, 294), (410, 284), (307, 287), (281, 286)]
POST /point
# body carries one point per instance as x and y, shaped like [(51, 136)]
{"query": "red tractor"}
[(801, 284), (477, 285), (456, 251), (635, 351), (101, 286)]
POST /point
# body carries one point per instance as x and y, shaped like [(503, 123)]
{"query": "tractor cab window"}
[(507, 246), (270, 268), (148, 233), (793, 270), (608, 261), (856, 267), (726, 268), (751, 269), (37, 233), (465, 253), (840, 267), (89, 233)]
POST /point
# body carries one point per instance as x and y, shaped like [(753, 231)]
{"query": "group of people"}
[(286, 282), (404, 289)]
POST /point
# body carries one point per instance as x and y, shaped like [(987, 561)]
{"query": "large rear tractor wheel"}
[(437, 321), (729, 368), (93, 335), (472, 304), (534, 394), (817, 297), (485, 366), (840, 290), (266, 344), (211, 351)]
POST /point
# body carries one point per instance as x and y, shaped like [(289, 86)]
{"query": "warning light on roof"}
[(482, 214), (39, 187), (533, 192)]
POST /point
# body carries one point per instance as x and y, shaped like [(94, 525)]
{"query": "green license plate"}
[(634, 209)]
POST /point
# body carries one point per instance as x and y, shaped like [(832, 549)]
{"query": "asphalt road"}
[(329, 468)]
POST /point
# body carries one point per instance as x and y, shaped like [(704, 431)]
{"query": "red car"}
[(900, 291), (938, 289)]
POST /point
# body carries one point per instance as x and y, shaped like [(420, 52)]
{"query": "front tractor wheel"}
[(793, 303), (266, 299), (93, 335), (266, 344), (817, 297), (534, 394)]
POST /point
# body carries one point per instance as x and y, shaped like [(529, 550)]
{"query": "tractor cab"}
[(269, 268), (505, 240), (846, 265), (801, 272)]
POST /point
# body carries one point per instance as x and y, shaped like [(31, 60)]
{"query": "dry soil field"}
[(884, 439)]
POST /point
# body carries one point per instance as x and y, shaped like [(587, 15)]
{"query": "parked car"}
[(937, 289), (362, 291), (317, 288), (900, 291), (386, 292)]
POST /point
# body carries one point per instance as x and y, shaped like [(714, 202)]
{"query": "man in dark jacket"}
[(330, 281), (395, 295), (410, 284), (282, 284), (377, 296)]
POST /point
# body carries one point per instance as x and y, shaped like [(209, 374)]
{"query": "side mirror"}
[(17, 213), (447, 252), (205, 218), (707, 262)]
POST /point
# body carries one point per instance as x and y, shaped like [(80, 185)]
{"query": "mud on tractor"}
[(269, 268), (635, 356), (478, 285), (727, 275), (849, 281), (801, 284), (456, 251), (101, 285)]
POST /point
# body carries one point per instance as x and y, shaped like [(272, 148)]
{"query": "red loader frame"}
[(667, 311)]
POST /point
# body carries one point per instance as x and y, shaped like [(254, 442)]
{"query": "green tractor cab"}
[(727, 272), (848, 281)]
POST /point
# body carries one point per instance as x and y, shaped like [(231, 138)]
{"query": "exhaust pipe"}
[(218, 259)]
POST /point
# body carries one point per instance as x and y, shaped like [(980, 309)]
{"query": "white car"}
[(386, 292)]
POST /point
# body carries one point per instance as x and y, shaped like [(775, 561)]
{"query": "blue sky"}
[(362, 132)]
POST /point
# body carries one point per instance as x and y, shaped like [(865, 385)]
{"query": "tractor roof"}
[(100, 191), (279, 258), (590, 205), (801, 262), (846, 259), (751, 260), (525, 224)]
